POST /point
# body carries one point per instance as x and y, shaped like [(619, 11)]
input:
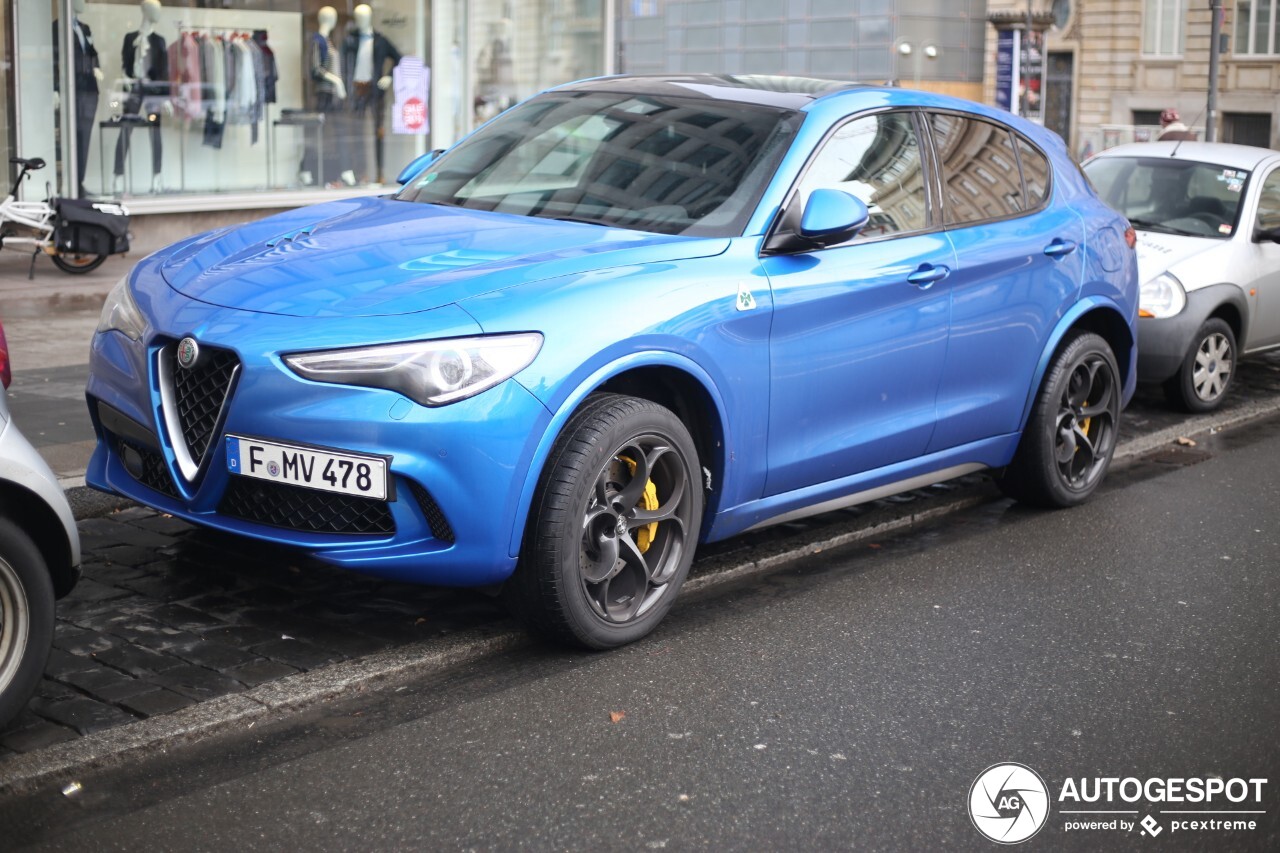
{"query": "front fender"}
[(1078, 315), (574, 399), (1164, 341)]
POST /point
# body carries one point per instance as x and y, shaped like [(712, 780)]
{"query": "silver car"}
[(39, 558), (1208, 223)]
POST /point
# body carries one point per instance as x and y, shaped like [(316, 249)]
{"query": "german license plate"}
[(311, 467)]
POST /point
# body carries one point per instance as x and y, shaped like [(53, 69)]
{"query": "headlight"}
[(1161, 297), (433, 373), (120, 313)]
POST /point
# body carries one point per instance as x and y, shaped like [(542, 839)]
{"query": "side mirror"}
[(417, 165), (1266, 235), (832, 216)]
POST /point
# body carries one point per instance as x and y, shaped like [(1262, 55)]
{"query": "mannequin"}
[(494, 74), (144, 60), (367, 59), (85, 77), (327, 94)]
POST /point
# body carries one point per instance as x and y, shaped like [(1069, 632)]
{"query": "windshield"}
[(1171, 196), (660, 164)]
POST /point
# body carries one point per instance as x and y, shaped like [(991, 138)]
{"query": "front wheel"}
[(1202, 382), (1070, 437), (26, 619), (77, 263), (613, 525)]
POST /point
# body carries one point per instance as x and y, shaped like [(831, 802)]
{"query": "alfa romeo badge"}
[(188, 353)]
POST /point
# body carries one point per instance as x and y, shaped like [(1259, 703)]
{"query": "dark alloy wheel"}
[(77, 263), (613, 526), (1202, 382), (1070, 437), (26, 619)]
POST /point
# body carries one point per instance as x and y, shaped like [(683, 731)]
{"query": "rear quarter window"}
[(980, 172)]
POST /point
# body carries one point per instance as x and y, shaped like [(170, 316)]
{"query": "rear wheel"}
[(26, 619), (1070, 437), (613, 525), (1207, 369), (77, 263)]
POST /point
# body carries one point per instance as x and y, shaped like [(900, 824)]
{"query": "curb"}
[(272, 700), (267, 701)]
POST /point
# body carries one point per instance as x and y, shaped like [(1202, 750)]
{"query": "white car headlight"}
[(1161, 297), (433, 373), (120, 313)]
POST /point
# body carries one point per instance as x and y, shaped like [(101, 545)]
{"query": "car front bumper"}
[(1163, 343), (456, 471)]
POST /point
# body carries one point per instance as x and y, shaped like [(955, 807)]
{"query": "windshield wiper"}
[(1148, 225), (563, 218)]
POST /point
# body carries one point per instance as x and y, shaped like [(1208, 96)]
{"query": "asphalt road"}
[(847, 702)]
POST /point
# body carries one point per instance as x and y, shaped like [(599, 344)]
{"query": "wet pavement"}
[(168, 616)]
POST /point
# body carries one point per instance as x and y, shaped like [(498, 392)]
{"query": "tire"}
[(26, 619), (1070, 437), (605, 554), (1201, 384), (77, 264)]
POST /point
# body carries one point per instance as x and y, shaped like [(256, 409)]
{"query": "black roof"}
[(762, 89)]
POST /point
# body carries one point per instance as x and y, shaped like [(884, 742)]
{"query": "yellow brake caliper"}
[(645, 535)]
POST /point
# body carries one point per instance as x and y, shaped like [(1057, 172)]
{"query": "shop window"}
[(180, 97)]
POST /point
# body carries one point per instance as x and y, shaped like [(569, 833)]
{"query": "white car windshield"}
[(1171, 196)]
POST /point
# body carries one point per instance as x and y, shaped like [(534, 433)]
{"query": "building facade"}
[(1110, 67), (184, 106), (931, 44)]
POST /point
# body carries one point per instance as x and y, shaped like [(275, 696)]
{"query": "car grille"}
[(305, 510), (199, 393), (440, 528)]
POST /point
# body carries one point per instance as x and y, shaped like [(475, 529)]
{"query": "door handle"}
[(924, 277), (1059, 248)]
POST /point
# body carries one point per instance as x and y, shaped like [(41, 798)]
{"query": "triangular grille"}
[(199, 393)]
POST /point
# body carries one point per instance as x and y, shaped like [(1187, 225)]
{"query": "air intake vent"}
[(305, 510)]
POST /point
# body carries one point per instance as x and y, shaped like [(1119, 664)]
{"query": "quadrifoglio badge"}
[(1010, 803)]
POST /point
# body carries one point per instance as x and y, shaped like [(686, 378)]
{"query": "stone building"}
[(1111, 66)]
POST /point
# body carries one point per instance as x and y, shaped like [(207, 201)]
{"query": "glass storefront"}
[(166, 101)]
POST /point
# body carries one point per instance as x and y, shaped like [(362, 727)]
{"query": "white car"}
[(39, 558), (1208, 222)]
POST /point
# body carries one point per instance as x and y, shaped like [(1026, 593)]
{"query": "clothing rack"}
[(255, 38), (197, 28)]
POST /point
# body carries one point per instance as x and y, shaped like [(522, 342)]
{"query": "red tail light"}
[(6, 376), (1130, 237)]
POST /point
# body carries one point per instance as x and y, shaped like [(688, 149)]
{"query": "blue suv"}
[(627, 316)]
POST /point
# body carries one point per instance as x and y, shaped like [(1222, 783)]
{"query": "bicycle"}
[(76, 234)]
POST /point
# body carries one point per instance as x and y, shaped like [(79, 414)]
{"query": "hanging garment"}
[(270, 74)]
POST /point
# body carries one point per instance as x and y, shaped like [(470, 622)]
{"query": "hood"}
[(377, 256), (1190, 259)]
